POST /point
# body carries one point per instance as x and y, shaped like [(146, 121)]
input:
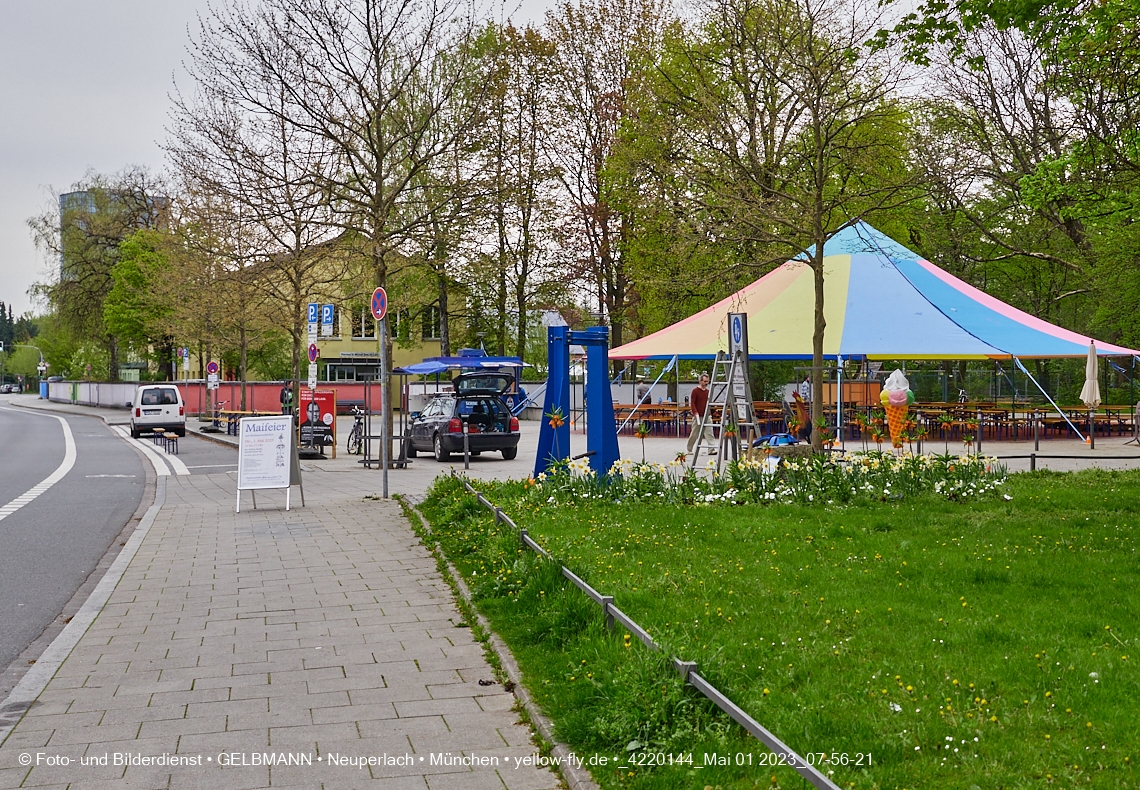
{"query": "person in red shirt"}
[(698, 400)]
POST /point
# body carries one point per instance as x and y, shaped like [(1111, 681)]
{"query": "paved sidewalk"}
[(273, 635)]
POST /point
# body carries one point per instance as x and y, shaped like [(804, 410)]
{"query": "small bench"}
[(167, 439)]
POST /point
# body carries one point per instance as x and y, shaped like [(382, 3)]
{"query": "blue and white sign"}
[(327, 320), (314, 317), (737, 332)]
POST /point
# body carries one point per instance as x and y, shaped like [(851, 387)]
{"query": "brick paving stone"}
[(323, 630)]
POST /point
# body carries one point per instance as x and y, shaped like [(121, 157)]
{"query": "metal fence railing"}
[(687, 669)]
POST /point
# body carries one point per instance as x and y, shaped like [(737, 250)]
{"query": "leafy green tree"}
[(133, 310), (84, 234)]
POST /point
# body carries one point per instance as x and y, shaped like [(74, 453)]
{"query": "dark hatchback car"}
[(438, 429)]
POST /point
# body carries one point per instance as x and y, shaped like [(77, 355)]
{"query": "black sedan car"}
[(490, 426)]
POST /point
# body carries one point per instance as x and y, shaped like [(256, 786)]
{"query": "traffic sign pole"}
[(379, 309), (385, 401)]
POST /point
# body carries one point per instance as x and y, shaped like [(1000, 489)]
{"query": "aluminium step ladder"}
[(728, 391)]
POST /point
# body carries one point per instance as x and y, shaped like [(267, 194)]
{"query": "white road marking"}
[(50, 480)]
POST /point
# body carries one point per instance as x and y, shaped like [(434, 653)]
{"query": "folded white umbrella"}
[(1090, 393)]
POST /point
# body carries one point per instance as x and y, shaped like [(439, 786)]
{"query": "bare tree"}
[(996, 120), (367, 81), (791, 131), (602, 50), (258, 174)]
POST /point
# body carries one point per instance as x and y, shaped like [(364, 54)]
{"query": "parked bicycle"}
[(356, 435), (216, 418)]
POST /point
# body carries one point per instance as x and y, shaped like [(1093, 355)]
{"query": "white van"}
[(157, 406)]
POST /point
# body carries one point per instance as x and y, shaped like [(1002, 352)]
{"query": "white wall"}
[(92, 393)]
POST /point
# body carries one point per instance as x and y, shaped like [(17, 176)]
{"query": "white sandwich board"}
[(267, 456)]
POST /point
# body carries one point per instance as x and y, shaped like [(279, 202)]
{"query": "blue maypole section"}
[(601, 432), (554, 443)]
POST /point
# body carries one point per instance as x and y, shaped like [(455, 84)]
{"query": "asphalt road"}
[(50, 545)]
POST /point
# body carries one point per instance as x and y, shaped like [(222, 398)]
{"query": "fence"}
[(687, 669)]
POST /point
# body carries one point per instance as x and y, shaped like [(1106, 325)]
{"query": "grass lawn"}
[(986, 642)]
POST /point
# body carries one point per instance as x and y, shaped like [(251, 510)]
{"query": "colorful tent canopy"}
[(881, 301)]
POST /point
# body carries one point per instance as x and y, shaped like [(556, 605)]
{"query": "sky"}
[(84, 86)]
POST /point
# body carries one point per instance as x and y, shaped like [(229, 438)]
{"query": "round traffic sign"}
[(212, 368), (314, 352), (379, 303)]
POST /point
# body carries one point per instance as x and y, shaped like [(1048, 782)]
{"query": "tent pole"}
[(1046, 394), (839, 401)]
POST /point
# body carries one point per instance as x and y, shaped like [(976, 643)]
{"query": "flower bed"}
[(832, 479)]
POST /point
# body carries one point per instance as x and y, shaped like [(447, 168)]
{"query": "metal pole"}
[(979, 426), (385, 403), (1036, 432), (1092, 428), (466, 449), (839, 402)]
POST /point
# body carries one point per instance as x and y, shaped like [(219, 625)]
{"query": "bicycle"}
[(356, 435), (216, 418)]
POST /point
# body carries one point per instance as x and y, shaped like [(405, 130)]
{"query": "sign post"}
[(379, 308), (267, 457)]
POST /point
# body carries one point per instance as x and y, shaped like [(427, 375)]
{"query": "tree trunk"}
[(444, 324), (439, 266), (244, 360), (113, 364), (817, 347)]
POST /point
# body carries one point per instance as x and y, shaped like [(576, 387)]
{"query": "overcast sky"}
[(84, 86)]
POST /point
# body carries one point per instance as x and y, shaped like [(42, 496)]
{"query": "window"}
[(363, 324), (432, 322), (160, 397)]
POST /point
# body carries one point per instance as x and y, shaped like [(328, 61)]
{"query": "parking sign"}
[(314, 317), (327, 320)]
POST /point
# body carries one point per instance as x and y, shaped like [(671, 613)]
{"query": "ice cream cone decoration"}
[(896, 420), (896, 398)]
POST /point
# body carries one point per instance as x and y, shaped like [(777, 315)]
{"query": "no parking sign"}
[(379, 304)]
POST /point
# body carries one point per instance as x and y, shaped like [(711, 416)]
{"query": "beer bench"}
[(168, 440)]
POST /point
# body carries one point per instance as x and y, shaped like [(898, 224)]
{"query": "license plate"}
[(152, 412)]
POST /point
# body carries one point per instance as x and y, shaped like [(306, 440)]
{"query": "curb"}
[(576, 778), (209, 437)]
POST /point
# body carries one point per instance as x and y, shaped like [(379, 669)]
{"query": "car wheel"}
[(180, 431), (411, 448), (135, 432), (509, 453), (441, 454)]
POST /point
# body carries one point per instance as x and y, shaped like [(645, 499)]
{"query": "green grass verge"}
[(984, 643)]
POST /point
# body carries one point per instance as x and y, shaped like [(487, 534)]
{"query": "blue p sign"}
[(313, 312)]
